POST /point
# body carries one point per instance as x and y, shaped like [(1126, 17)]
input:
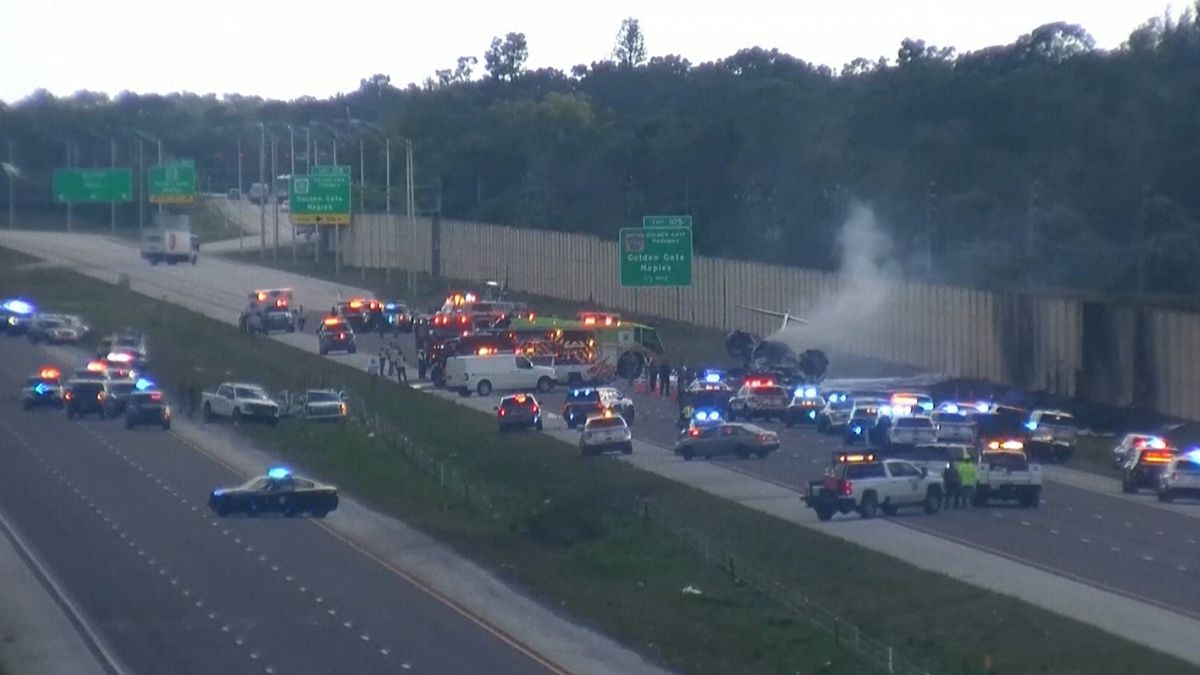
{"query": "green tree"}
[(505, 59), (630, 49)]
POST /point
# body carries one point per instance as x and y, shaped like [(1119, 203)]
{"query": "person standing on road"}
[(300, 318), (401, 367), (422, 363), (651, 380), (664, 379), (969, 478), (373, 369), (952, 486)]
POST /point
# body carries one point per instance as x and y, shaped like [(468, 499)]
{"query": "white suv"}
[(912, 431), (604, 433)]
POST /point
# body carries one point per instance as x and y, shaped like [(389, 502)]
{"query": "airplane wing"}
[(786, 316)]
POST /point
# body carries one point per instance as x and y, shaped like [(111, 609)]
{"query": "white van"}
[(482, 374)]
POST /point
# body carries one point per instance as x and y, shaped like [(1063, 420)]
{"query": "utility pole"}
[(292, 177), (241, 185), (262, 183), (12, 178), (70, 204), (362, 205), (274, 201), (112, 146), (160, 163), (307, 151), (141, 186), (410, 187)]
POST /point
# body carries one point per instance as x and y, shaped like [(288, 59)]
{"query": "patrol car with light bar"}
[(16, 316), (603, 433), (1144, 468), (279, 492), (866, 483), (147, 406), (806, 404), (835, 413), (1181, 478), (1005, 473), (336, 335), (43, 389), (761, 399)]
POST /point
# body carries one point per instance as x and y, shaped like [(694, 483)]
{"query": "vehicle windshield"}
[(322, 397), (865, 470), (914, 422), (769, 392), (841, 405), (35, 381), (249, 392), (1058, 420), (954, 418), (605, 423), (53, 323), (713, 399), (513, 402)]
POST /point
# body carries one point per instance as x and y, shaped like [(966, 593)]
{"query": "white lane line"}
[(1053, 531), (1148, 558), (1084, 540)]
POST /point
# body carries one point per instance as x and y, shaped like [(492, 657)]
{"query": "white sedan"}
[(602, 434)]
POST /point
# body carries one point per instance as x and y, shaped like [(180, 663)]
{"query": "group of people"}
[(390, 362), (658, 380), (960, 479)]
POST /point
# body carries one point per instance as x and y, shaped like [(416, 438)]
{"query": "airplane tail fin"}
[(785, 316)]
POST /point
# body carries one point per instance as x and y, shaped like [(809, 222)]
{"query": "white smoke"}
[(867, 271)]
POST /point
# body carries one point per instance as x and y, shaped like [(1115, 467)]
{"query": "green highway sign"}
[(93, 185), (173, 183), (666, 221), (656, 256), (320, 198)]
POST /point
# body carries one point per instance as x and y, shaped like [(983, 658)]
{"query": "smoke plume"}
[(866, 271)]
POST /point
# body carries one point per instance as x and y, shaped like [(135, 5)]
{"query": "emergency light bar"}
[(49, 373), (1006, 445), (806, 392), (331, 321), (95, 366), (18, 306), (278, 473), (119, 357), (847, 458)]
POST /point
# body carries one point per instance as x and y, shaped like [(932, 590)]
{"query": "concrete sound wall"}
[(1106, 352)]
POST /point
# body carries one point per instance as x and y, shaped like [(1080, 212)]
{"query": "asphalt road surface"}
[(121, 518), (1125, 545)]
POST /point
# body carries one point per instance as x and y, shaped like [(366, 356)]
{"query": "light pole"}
[(70, 209), (12, 178), (262, 202), (307, 150), (274, 201), (141, 183), (241, 185), (292, 177)]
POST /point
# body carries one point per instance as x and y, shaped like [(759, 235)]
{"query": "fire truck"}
[(625, 347)]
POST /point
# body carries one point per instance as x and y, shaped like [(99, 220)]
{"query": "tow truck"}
[(1006, 473), (629, 348), (867, 483)]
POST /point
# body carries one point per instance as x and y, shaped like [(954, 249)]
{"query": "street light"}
[(262, 201), (409, 189)]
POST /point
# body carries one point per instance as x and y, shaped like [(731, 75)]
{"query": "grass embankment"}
[(207, 223), (562, 528)]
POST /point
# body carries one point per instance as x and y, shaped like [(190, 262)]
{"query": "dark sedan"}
[(147, 407), (728, 438), (280, 491)]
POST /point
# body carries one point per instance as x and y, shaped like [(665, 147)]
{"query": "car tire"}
[(222, 510), (823, 425), (353, 349), (688, 454), (464, 392), (762, 454), (484, 388), (1166, 496), (933, 500), (320, 512), (545, 384), (206, 413), (824, 514), (732, 415), (1127, 486), (869, 506), (789, 421), (323, 351)]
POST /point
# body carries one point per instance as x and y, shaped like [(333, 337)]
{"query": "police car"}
[(43, 389), (1144, 468), (899, 405), (585, 402), (147, 406), (1135, 441), (605, 432), (280, 491), (759, 398), (835, 413), (1053, 432), (1181, 478), (336, 335), (805, 406), (862, 419), (16, 316), (518, 411)]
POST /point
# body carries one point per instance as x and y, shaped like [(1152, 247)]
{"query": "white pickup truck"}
[(238, 401), (866, 483), (1054, 431), (1005, 473), (576, 373), (912, 431), (953, 427)]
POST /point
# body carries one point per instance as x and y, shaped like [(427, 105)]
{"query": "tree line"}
[(1042, 162)]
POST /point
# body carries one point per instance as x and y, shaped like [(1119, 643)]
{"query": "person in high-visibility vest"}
[(969, 478)]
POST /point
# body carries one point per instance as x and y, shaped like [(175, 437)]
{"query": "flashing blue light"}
[(1193, 455), (806, 392), (926, 405), (1031, 425), (856, 430), (702, 416), (41, 389), (390, 306), (712, 378), (951, 408), (278, 473), (143, 384), (18, 306), (981, 407), (812, 414)]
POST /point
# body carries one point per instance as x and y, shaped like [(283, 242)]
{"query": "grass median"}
[(561, 527)]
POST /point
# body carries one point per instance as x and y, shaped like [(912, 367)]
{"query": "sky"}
[(285, 50)]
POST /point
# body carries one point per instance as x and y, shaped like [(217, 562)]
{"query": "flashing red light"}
[(693, 432), (847, 488), (503, 412), (1157, 456), (156, 396), (99, 396), (534, 408), (95, 366), (281, 302), (520, 398), (590, 321), (262, 295), (462, 319), (69, 395), (331, 321)]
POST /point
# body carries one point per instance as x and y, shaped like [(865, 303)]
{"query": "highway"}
[(121, 518), (1129, 546)]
